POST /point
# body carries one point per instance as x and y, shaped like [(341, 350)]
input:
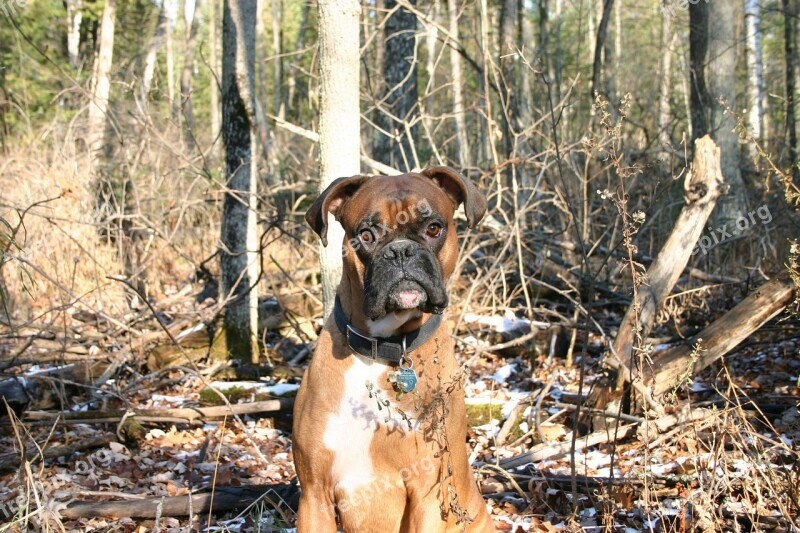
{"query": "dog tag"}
[(406, 379)]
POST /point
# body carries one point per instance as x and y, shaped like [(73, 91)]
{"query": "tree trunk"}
[(191, 19), (277, 51), (214, 66), (239, 263), (151, 57), (600, 48), (339, 121), (173, 103), (721, 66), (667, 39), (101, 84), (399, 104), (790, 35), (755, 71), (291, 80), (508, 62), (74, 16), (431, 35), (462, 141), (700, 100)]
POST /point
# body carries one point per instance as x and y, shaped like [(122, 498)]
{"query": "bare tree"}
[(755, 69), (790, 14), (239, 244), (667, 39), (191, 20), (339, 121), (462, 141), (74, 17), (213, 61), (398, 106), (151, 57), (721, 72), (700, 100), (600, 48), (173, 102), (101, 82)]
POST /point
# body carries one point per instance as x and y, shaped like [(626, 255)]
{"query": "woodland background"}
[(156, 158)]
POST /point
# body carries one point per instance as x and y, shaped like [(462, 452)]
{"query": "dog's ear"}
[(330, 201), (460, 189)]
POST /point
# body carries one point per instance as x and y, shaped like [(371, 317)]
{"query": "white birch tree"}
[(339, 121)]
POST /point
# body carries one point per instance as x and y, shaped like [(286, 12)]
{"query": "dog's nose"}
[(400, 249)]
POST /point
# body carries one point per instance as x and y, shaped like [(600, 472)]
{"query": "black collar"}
[(389, 348)]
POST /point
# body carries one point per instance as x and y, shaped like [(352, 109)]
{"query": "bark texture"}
[(700, 100), (721, 69), (462, 141), (239, 250), (790, 38), (339, 121), (398, 106), (101, 84)]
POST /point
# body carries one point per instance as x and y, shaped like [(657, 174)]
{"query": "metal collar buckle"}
[(373, 341)]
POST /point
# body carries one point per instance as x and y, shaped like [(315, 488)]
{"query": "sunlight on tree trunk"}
[(721, 68), (151, 59), (239, 257), (339, 121), (74, 16), (101, 83), (462, 141), (755, 71)]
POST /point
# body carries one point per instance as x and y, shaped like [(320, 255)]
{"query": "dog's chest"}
[(352, 426)]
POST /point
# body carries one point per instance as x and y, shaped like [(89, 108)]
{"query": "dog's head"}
[(400, 239)]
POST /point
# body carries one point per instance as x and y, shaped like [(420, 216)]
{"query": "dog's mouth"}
[(407, 294)]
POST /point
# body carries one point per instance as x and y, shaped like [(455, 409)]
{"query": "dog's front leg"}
[(316, 514)]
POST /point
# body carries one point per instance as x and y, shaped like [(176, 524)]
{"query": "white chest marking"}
[(349, 431)]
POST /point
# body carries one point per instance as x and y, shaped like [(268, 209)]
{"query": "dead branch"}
[(159, 415), (221, 500)]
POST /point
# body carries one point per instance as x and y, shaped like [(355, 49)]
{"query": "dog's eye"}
[(433, 230), (366, 236)]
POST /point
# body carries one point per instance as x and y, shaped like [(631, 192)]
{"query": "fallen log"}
[(702, 188), (182, 414), (674, 365), (11, 461), (222, 499)]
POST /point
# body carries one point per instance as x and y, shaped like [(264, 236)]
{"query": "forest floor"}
[(733, 466)]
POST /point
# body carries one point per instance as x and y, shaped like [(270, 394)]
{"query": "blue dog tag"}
[(406, 379)]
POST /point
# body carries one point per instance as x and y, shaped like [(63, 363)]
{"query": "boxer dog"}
[(379, 421)]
